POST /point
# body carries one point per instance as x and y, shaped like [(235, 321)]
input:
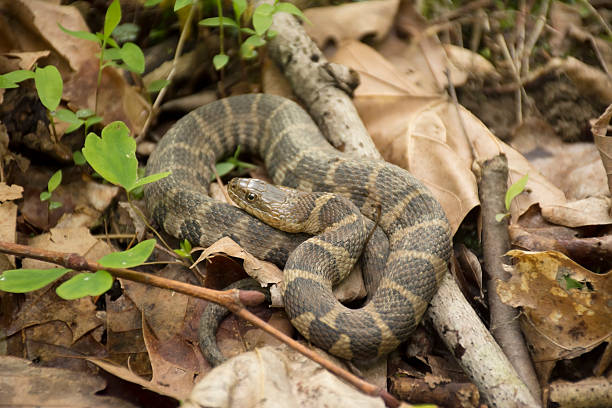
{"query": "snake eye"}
[(251, 196)]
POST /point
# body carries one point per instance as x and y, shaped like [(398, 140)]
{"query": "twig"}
[(506, 52), (162, 93), (594, 11), (535, 34), (496, 242), (234, 300)]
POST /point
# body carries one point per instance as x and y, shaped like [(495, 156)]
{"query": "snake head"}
[(277, 206)]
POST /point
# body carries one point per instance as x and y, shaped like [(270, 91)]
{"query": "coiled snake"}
[(297, 155)]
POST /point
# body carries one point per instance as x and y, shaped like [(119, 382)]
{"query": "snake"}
[(297, 155)]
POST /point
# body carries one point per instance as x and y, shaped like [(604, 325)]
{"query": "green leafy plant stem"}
[(171, 74)]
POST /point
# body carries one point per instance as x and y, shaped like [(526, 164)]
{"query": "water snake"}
[(297, 155)]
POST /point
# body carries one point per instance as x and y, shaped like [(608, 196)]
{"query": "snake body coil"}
[(297, 155)]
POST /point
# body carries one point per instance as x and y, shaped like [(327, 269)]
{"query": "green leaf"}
[(85, 284), (83, 35), (112, 18), (150, 179), (571, 283), (181, 253), (271, 34), (112, 54), (515, 189), (78, 158), (73, 127), (223, 168), (113, 155), (93, 120), (133, 57), (186, 246), (180, 4), (54, 181), (216, 22), (248, 30), (247, 52), (27, 280), (19, 75), (110, 41), (255, 41), (220, 60), (500, 217), (262, 18), (68, 116), (158, 85), (84, 113), (49, 86), (126, 32), (239, 8), (130, 258), (291, 9), (54, 205), (6, 84), (45, 195), (152, 3)]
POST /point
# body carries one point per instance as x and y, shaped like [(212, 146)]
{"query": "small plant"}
[(261, 19), (80, 285), (514, 190), (112, 156), (224, 167), (52, 184), (185, 250)]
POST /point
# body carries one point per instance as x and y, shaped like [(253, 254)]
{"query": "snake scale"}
[(297, 155)]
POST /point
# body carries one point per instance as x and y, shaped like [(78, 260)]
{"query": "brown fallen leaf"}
[(337, 23), (23, 383), (69, 240), (8, 226), (12, 192), (275, 376), (604, 143), (423, 133), (174, 363), (558, 321), (264, 272)]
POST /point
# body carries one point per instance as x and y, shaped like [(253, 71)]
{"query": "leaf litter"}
[(402, 102)]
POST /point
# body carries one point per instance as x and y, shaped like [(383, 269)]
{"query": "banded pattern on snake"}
[(297, 155)]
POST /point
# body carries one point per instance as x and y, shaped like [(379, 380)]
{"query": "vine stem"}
[(234, 300)]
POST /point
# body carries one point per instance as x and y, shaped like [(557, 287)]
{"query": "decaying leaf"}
[(264, 272), (438, 142), (337, 23), (567, 309), (23, 383), (274, 376), (12, 192), (604, 142)]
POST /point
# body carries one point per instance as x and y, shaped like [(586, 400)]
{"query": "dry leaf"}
[(423, 133), (23, 383), (604, 142), (264, 272), (339, 23), (275, 377), (69, 240), (8, 226), (13, 192), (559, 323)]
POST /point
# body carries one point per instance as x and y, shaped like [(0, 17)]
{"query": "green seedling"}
[(185, 250), (52, 184), (514, 190), (231, 163)]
